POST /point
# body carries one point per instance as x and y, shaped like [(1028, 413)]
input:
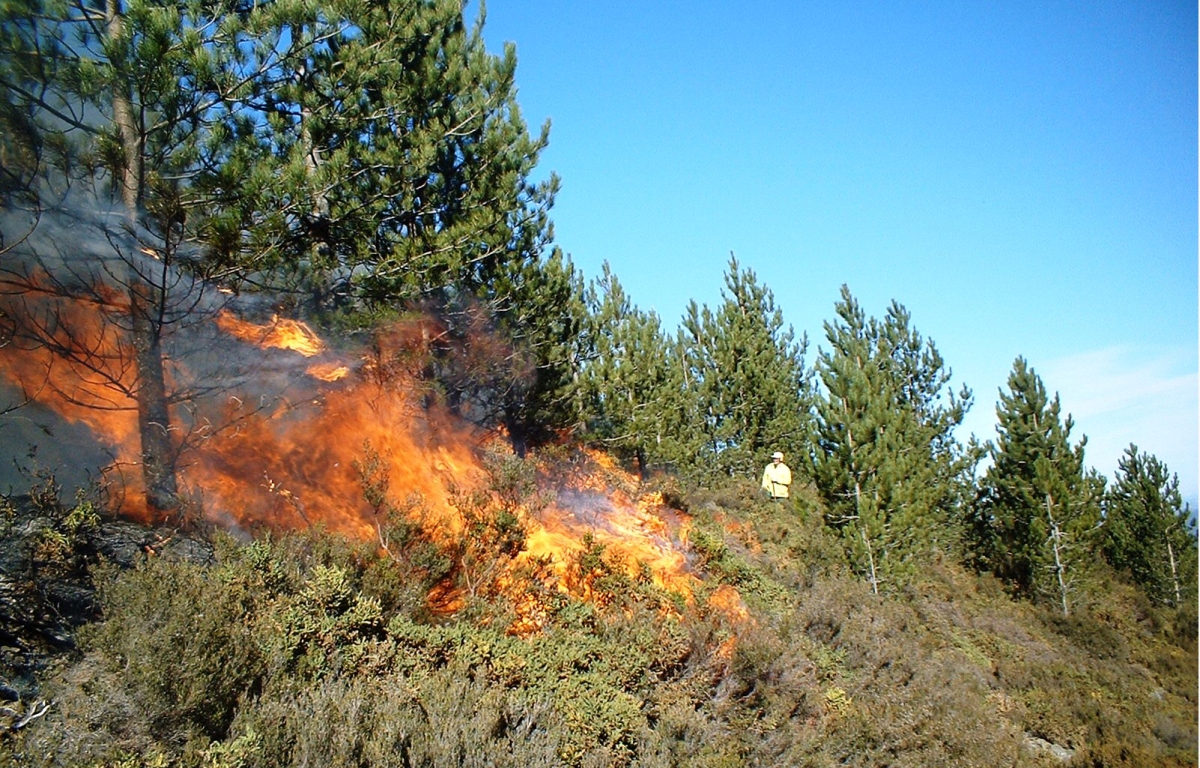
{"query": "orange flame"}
[(278, 334), (300, 464), (328, 371), (93, 389)]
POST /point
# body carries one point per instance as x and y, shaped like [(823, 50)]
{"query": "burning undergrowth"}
[(374, 449), (208, 410)]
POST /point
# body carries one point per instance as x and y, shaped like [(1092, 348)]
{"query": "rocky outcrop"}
[(1039, 746)]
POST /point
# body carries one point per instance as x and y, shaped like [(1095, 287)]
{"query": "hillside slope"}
[(307, 649)]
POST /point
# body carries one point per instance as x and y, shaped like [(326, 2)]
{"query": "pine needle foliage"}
[(885, 459), (628, 383), (1149, 531), (745, 384), (1037, 517)]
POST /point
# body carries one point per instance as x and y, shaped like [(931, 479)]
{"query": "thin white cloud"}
[(1121, 395)]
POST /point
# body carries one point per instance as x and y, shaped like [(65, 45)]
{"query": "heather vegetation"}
[(920, 599), (300, 649)]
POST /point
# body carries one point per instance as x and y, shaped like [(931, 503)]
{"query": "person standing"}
[(777, 478)]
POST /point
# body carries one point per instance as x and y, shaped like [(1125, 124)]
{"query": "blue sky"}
[(1022, 176)]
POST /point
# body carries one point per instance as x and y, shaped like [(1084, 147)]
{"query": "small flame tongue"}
[(278, 334), (290, 335), (328, 371)]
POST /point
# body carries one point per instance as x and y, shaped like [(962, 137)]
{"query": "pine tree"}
[(376, 154), (359, 151), (885, 459), (1038, 508), (386, 163), (22, 153), (357, 155), (117, 88), (628, 379), (745, 376), (121, 91), (1149, 531), (539, 306)]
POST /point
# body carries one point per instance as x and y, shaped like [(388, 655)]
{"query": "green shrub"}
[(326, 629), (183, 644), (446, 719), (306, 650)]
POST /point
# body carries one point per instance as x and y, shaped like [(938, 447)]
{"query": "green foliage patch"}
[(295, 651)]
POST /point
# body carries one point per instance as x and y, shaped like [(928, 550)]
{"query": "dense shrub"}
[(446, 718), (309, 650)]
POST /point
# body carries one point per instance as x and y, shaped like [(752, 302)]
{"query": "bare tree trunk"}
[(154, 419), (874, 578), (517, 435), (858, 507), (871, 562), (131, 173), (145, 300), (1056, 544), (1174, 573)]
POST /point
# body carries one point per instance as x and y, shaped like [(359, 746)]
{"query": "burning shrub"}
[(414, 562), (494, 532), (600, 578), (729, 567)]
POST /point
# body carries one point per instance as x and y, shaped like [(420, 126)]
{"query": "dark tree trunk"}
[(158, 462), (518, 435)]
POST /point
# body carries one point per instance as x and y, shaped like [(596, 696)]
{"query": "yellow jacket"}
[(776, 479)]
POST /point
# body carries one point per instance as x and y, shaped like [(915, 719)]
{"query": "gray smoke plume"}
[(66, 280)]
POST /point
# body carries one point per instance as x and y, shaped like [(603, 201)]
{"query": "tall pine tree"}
[(1036, 517), (628, 380), (1149, 531), (885, 459), (745, 378), (375, 152), (354, 155), (539, 308), (121, 90)]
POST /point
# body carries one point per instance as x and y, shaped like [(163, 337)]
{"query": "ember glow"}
[(297, 461)]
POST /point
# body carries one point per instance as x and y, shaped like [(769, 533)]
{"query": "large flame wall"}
[(288, 460)]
